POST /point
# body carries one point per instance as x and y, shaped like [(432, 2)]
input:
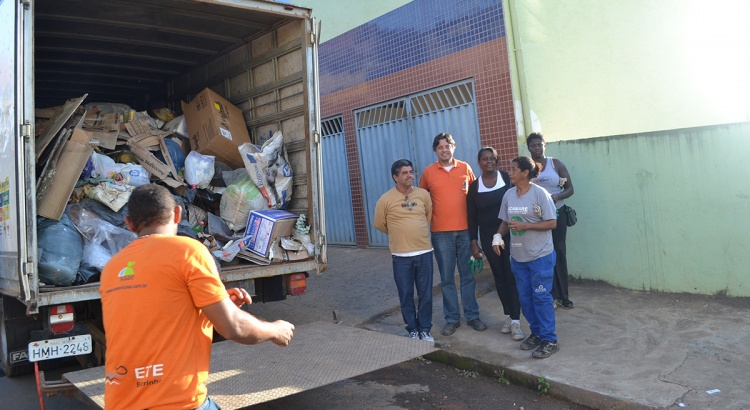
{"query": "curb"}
[(558, 389)]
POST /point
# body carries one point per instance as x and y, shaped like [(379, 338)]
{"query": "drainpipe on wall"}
[(517, 72)]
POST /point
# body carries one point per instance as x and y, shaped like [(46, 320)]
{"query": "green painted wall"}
[(666, 211), (647, 103), (597, 68), (339, 16)]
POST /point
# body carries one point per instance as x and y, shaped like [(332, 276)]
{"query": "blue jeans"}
[(451, 248), (534, 282), (410, 272), (209, 405)]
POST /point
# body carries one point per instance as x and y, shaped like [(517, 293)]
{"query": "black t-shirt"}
[(483, 208)]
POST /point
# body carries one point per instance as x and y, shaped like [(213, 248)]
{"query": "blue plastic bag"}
[(174, 150), (60, 248)]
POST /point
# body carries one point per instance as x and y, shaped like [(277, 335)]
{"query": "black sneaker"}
[(568, 304), (477, 324), (546, 349), (450, 328), (530, 342)]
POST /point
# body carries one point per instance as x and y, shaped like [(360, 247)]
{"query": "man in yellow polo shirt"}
[(447, 181), (404, 214)]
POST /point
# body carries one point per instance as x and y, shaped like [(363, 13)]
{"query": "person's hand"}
[(515, 226), (475, 252), (285, 332), (497, 243), (239, 296)]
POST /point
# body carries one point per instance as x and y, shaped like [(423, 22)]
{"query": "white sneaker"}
[(414, 335), (515, 329), (506, 327), (426, 336)]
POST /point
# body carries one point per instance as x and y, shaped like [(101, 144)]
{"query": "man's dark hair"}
[(400, 163), (150, 205), (442, 136)]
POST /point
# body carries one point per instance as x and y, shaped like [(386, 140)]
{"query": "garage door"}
[(404, 128), (336, 184), (383, 136), (321, 353)]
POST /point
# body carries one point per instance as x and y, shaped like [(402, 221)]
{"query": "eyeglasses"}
[(408, 204)]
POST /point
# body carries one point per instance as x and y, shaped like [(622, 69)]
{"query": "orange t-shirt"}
[(158, 340), (448, 191)]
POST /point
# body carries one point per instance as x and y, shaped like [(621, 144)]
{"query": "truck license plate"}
[(56, 348)]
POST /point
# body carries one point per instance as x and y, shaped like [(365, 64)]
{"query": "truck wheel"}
[(14, 338)]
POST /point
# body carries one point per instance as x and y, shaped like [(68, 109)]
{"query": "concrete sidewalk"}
[(619, 349)]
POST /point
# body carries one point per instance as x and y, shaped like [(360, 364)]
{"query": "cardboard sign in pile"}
[(142, 137), (103, 127)]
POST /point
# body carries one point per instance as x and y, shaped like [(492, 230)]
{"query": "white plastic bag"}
[(123, 174), (269, 170), (238, 200), (131, 174), (177, 127), (199, 169), (103, 165), (101, 238), (95, 255)]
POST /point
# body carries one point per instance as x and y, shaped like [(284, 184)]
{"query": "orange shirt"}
[(158, 340), (448, 190)]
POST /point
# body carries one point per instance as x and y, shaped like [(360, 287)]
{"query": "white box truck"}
[(259, 55)]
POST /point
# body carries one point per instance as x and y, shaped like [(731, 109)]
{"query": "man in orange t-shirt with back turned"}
[(448, 181), (161, 299)]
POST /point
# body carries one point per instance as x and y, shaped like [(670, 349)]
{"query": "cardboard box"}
[(51, 202), (216, 127), (266, 227)]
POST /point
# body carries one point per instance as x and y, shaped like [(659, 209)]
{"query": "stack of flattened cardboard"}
[(66, 169), (61, 153)]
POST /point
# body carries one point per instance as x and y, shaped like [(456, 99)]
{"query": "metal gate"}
[(336, 184), (404, 128)]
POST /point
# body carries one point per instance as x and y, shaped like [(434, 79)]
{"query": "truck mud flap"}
[(321, 353)]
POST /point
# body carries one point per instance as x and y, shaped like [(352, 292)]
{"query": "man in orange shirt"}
[(448, 181), (161, 299)]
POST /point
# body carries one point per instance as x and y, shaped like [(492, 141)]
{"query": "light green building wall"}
[(647, 104), (667, 211), (605, 67), (340, 16)]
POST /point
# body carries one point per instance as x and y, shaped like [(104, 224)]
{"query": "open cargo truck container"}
[(259, 55)]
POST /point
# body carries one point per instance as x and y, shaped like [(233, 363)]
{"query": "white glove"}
[(497, 240)]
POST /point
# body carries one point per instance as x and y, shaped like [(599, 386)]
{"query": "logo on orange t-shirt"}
[(127, 271), (114, 378)]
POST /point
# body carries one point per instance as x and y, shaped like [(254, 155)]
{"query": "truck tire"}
[(15, 331)]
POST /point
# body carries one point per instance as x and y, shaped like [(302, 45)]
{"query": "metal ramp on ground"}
[(321, 353)]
